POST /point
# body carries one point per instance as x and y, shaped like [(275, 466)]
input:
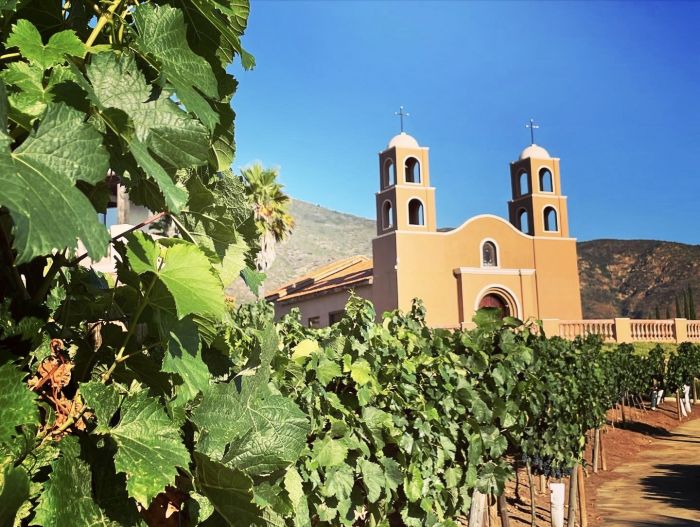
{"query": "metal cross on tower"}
[(401, 115), (532, 127)]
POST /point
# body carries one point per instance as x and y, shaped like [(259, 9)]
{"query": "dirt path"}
[(658, 488)]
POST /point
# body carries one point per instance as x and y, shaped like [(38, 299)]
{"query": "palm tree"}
[(270, 210)]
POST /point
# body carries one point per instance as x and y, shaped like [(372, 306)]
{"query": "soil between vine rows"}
[(622, 444)]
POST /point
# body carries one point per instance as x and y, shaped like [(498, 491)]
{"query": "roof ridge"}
[(317, 274)]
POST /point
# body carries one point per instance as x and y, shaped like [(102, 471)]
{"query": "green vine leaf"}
[(37, 184), (230, 491), (183, 356), (293, 484), (67, 497), (162, 38), (27, 39), (183, 269), (329, 453), (104, 400), (149, 447), (17, 402), (14, 490)]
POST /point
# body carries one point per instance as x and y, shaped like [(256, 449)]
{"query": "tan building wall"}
[(321, 306), (537, 275)]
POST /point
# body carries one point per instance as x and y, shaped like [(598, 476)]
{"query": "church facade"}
[(526, 265)]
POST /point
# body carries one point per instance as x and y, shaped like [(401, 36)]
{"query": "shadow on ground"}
[(645, 429), (676, 485)]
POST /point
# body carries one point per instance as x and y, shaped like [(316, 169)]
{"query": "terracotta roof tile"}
[(341, 274)]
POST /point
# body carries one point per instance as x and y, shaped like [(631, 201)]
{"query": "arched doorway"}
[(494, 300)]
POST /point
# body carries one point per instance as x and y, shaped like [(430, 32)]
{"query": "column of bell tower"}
[(538, 206), (405, 201)]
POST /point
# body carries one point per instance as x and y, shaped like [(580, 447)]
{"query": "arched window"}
[(523, 221), (415, 212), (550, 219), (387, 215), (546, 181), (389, 175), (412, 170), (524, 183), (489, 256)]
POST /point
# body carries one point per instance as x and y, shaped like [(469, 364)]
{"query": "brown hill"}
[(618, 277), (633, 277)]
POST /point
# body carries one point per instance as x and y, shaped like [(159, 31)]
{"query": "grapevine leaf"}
[(40, 175), (413, 484), (373, 479), (149, 447), (265, 432), (327, 370), (376, 421), (295, 490), (187, 274), (253, 279), (305, 348), (14, 490), (183, 356), (17, 402), (30, 97), (159, 123), (142, 253), (67, 497), (329, 453), (275, 437), (162, 37), (393, 473), (339, 482), (361, 372), (26, 37), (231, 25), (230, 491), (104, 400)]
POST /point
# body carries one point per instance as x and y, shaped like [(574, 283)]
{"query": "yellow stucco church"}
[(526, 265)]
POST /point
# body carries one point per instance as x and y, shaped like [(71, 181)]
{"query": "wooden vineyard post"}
[(543, 484), (478, 509), (596, 450), (622, 410), (493, 511), (695, 391), (533, 506), (573, 479), (503, 510), (603, 461), (678, 404), (582, 497)]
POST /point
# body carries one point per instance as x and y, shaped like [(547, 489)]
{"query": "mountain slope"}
[(618, 277), (633, 277)]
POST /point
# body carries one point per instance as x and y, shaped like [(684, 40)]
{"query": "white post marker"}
[(686, 398), (556, 500)]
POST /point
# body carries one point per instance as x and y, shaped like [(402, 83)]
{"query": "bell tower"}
[(538, 207), (405, 201)]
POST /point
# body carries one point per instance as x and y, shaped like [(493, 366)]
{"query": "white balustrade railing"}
[(694, 330), (653, 330), (630, 330), (570, 329)]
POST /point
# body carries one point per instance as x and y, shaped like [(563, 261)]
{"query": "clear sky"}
[(614, 86)]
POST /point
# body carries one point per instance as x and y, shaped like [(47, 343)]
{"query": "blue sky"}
[(614, 86)]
